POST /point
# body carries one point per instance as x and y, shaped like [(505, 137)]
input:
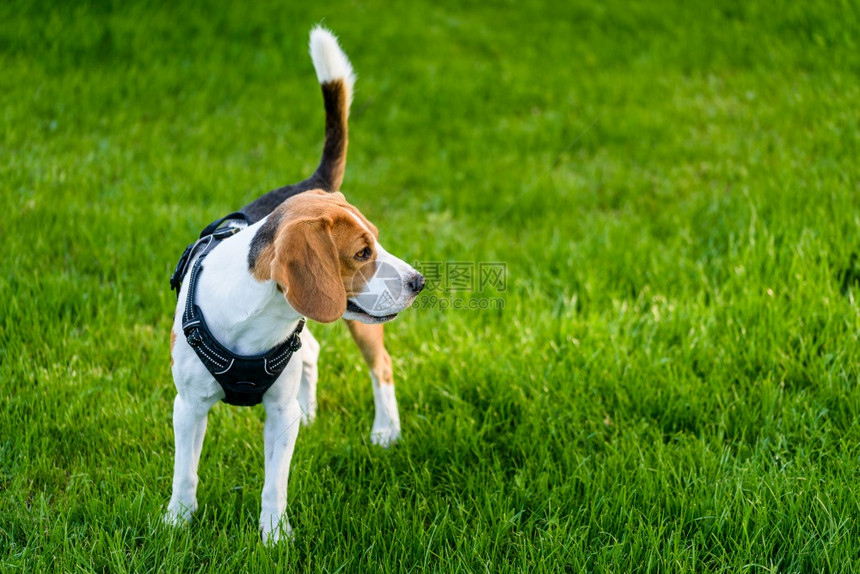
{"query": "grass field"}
[(673, 188)]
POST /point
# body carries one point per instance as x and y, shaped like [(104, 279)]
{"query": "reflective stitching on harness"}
[(282, 359), (214, 352), (195, 270), (228, 367), (208, 356)]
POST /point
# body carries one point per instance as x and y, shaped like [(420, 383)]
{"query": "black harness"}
[(245, 379)]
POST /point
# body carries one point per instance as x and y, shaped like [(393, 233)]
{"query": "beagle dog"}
[(307, 253)]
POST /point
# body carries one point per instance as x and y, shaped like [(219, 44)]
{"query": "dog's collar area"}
[(209, 238), (244, 378)]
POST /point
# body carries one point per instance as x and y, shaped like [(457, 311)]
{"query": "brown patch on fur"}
[(310, 252), (306, 265), (172, 342), (370, 341)]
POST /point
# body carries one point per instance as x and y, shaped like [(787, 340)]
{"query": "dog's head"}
[(326, 258)]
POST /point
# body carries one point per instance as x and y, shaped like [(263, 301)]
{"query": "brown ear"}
[(306, 264)]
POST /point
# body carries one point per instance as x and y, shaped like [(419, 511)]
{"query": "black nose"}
[(417, 283)]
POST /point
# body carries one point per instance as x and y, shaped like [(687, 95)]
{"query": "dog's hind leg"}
[(189, 428), (386, 422), (310, 353)]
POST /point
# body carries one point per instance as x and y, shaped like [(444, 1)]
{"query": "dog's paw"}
[(179, 515), (274, 529), (384, 437)]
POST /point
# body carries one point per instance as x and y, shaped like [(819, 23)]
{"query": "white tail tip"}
[(329, 60)]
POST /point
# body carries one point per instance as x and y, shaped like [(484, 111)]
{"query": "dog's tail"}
[(337, 80)]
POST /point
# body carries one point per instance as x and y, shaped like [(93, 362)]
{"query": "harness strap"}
[(244, 378), (209, 237), (210, 229)]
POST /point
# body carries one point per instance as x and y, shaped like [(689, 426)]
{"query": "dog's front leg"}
[(386, 422), (280, 432), (189, 428), (310, 353)]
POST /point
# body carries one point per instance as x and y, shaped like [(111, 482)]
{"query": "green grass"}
[(671, 385)]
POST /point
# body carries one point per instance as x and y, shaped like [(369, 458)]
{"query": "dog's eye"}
[(363, 254)]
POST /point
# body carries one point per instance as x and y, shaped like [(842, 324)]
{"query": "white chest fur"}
[(246, 315)]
